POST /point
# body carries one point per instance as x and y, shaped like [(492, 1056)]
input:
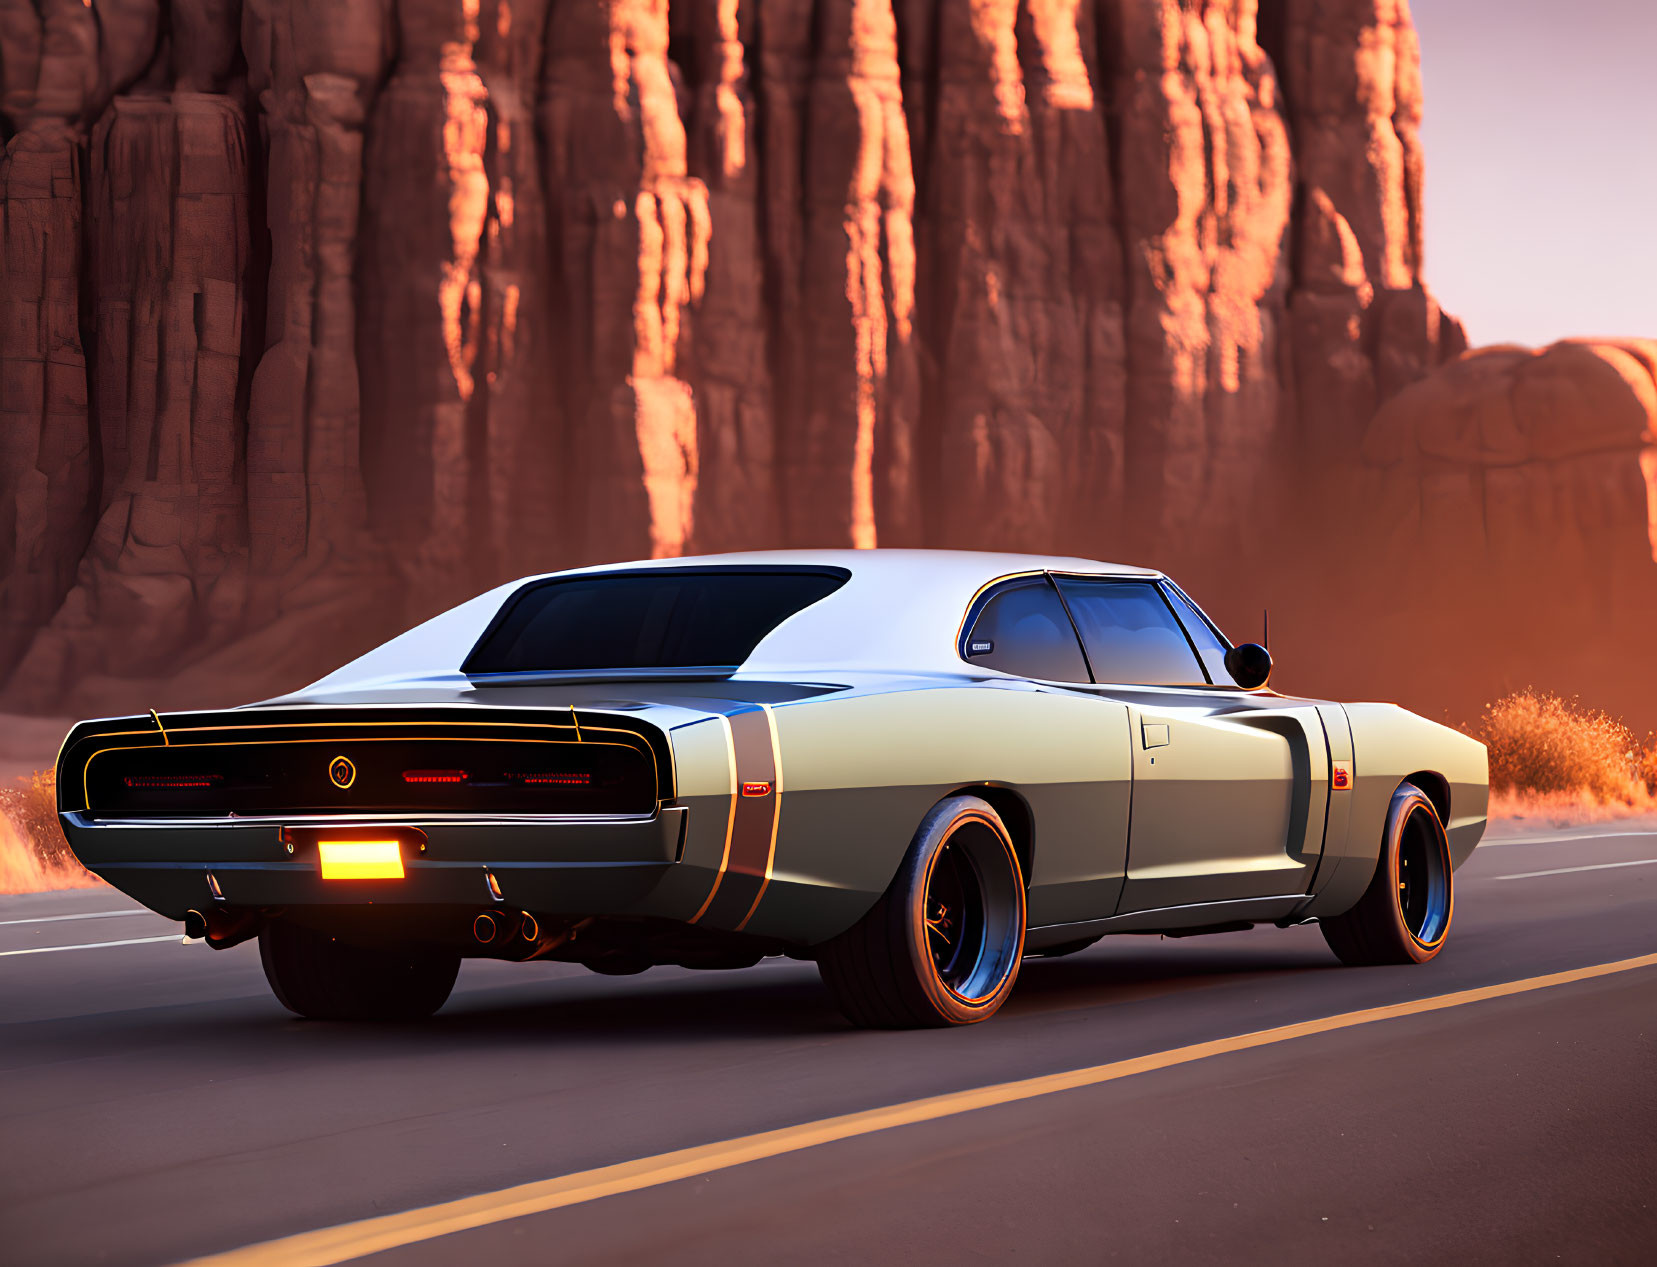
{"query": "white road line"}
[(53, 919), (1598, 866), (1586, 837), (91, 945)]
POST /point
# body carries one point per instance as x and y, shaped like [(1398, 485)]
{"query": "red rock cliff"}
[(318, 316)]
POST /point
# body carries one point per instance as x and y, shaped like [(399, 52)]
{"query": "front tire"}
[(318, 976), (942, 946), (1404, 915)]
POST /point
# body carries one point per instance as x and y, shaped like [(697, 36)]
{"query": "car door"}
[(1020, 627), (1229, 786)]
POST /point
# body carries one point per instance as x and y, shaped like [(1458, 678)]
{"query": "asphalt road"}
[(156, 1103)]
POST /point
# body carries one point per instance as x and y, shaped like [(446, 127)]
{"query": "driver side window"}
[(1023, 629), (1130, 633)]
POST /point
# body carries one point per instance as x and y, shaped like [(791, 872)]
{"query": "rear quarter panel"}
[(861, 771), (1389, 745)]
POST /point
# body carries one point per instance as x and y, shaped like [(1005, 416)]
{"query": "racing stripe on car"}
[(776, 816), (753, 822), (730, 823)]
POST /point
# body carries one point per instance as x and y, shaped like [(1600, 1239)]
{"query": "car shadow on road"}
[(573, 1009), (782, 1000), (1126, 969)]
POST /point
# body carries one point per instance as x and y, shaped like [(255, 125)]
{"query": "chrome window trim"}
[(990, 588)]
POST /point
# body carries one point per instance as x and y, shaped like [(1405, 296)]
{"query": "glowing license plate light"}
[(360, 859)]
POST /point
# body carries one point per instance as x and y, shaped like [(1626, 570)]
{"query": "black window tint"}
[(650, 620), (1211, 648), (1130, 633), (1022, 629)]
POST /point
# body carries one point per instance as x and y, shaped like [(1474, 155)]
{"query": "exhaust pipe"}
[(516, 935), (221, 929), (497, 928)]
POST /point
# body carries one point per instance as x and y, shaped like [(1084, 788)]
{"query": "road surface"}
[(157, 1104)]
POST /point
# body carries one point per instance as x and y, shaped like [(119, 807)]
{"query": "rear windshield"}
[(661, 619)]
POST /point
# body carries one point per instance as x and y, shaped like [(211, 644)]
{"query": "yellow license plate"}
[(360, 859)]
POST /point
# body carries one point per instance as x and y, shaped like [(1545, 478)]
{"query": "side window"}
[(1022, 629), (1211, 648), (1130, 633)]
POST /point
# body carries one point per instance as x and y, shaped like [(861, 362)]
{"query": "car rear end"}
[(431, 816), (477, 785)]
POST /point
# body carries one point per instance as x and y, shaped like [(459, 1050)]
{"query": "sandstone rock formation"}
[(318, 316), (1513, 495)]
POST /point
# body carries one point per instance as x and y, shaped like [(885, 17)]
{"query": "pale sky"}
[(1541, 141)]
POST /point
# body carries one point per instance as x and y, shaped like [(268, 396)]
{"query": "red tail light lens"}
[(173, 780), (434, 776), (554, 778)]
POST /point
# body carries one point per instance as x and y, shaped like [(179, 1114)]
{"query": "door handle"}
[(1154, 734)]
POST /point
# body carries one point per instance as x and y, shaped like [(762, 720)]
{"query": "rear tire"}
[(318, 976), (1404, 915), (942, 946)]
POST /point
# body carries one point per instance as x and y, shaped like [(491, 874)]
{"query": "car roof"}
[(899, 611), (982, 564)]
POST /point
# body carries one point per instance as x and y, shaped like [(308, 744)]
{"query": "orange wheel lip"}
[(1441, 839), (989, 999)]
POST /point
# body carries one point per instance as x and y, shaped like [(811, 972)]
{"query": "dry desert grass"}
[(34, 856), (1556, 758)]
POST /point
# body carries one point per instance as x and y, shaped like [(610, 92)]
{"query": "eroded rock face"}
[(319, 316), (1510, 498)]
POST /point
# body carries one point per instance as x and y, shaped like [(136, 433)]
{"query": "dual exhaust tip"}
[(495, 928)]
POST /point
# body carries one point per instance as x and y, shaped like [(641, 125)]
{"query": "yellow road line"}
[(371, 1236)]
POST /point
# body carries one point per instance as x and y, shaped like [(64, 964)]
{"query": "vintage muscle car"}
[(913, 767)]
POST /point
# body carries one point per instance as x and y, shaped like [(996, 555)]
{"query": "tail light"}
[(434, 776), (173, 780), (552, 778)]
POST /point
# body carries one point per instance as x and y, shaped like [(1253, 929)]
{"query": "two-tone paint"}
[(790, 789)]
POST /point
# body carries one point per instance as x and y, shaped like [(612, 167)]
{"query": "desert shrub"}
[(1543, 745)]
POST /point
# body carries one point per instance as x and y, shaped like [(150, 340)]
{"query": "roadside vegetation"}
[(34, 856), (1554, 757)]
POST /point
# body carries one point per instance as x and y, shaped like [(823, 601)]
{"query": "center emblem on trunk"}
[(342, 772)]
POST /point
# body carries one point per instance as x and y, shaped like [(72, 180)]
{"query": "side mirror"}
[(1250, 665)]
